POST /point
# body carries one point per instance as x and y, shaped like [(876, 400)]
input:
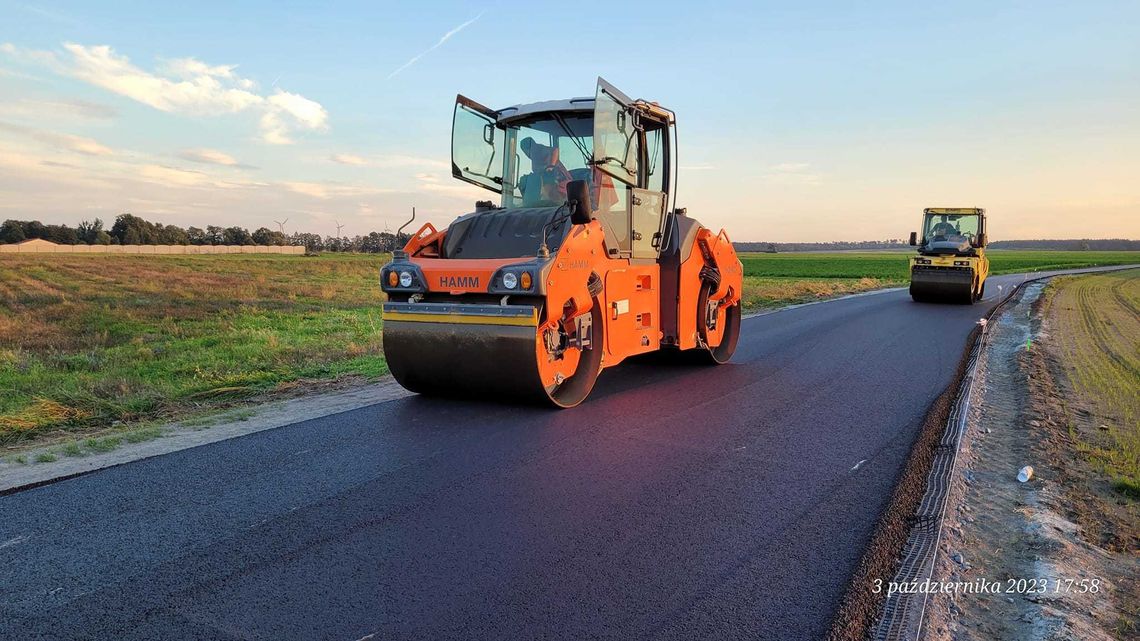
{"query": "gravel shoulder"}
[(1054, 557)]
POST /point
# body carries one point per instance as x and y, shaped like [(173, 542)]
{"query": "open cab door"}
[(620, 144), (477, 145), (615, 134)]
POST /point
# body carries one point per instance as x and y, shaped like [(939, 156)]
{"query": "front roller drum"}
[(942, 285), (485, 352)]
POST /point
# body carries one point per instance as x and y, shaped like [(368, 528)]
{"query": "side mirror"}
[(913, 238), (982, 240), (578, 198)]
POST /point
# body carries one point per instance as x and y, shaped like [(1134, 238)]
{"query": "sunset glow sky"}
[(798, 121)]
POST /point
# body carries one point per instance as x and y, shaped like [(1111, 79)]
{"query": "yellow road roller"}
[(951, 264)]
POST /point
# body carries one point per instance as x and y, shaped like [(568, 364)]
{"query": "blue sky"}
[(798, 121)]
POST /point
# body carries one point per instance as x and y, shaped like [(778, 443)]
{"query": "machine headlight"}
[(405, 279), (393, 279), (525, 280), (510, 280), (962, 263)]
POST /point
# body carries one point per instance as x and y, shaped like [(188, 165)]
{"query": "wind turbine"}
[(338, 228), (281, 225)]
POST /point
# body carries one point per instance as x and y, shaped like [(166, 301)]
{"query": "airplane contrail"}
[(435, 46)]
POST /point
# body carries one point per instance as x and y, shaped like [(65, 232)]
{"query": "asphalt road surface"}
[(675, 503)]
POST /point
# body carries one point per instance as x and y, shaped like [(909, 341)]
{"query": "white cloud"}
[(201, 89), (61, 108), (315, 190), (348, 159), (307, 112), (209, 157), (793, 173), (412, 161), (184, 85), (85, 145), (173, 176), (447, 36), (62, 141), (284, 111)]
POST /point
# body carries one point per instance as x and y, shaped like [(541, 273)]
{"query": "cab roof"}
[(568, 104), (957, 211), (508, 114)]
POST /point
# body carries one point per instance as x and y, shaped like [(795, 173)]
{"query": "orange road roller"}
[(584, 262)]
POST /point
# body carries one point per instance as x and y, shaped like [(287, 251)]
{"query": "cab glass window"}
[(951, 227), (615, 139), (476, 147), (655, 158)]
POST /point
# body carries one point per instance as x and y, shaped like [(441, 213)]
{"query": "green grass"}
[(892, 266), (1096, 322), (87, 340)]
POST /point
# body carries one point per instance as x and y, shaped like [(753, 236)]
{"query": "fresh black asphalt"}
[(677, 502)]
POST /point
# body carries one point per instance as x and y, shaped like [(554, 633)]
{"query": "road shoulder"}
[(57, 462), (1053, 556)]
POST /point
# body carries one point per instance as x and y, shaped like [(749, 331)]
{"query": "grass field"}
[(892, 266), (1095, 322), (88, 341)]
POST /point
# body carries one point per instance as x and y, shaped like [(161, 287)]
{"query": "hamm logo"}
[(459, 282)]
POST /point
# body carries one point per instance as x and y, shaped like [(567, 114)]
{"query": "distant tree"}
[(34, 229), (102, 238), (215, 235), (196, 236), (132, 230), (171, 235), (236, 236), (12, 231), (373, 243), (387, 241), (266, 236), (311, 242), (88, 232), (60, 234)]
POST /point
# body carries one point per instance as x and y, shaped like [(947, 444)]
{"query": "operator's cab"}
[(528, 154), (951, 232), (579, 266)]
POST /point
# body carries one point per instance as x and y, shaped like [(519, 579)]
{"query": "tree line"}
[(129, 229), (866, 245)]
